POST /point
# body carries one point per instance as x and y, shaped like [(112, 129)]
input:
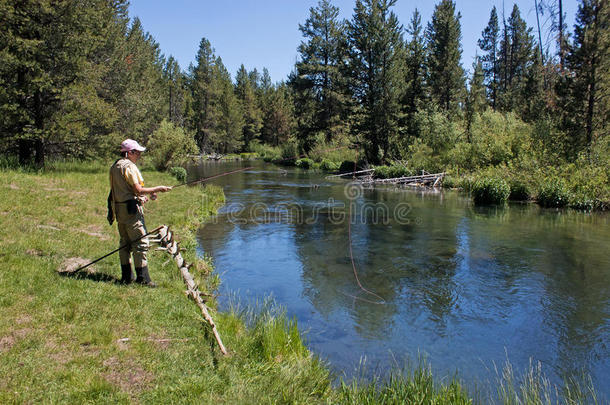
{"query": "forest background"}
[(529, 118)]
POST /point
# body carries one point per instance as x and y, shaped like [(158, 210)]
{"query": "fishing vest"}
[(121, 190)]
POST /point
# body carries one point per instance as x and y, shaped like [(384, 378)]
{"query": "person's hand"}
[(162, 189), (153, 196)]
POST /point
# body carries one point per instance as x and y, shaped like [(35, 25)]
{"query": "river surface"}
[(432, 275)]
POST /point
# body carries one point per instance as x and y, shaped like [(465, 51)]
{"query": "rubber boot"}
[(126, 274), (142, 277)]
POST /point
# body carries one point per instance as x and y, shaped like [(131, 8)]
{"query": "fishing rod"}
[(116, 250), (212, 177), (159, 227)]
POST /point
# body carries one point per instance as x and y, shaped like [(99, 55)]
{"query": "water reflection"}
[(466, 285)]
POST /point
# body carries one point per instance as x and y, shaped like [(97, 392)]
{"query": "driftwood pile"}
[(165, 238), (366, 177), (424, 180)]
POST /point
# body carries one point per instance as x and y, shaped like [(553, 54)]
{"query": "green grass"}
[(87, 339), (60, 335)]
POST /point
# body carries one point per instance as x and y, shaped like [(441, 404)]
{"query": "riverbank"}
[(88, 339)]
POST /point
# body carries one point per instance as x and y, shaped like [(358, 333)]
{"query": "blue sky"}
[(265, 33)]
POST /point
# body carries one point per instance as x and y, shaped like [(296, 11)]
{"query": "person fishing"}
[(127, 194)]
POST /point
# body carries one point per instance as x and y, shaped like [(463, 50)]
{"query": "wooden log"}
[(350, 173), (421, 179), (168, 243)]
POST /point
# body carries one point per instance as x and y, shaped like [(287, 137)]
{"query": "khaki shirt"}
[(123, 175)]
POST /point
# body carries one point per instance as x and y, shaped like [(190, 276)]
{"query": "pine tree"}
[(377, 65), (489, 44), (415, 92), (516, 56), (230, 125), (252, 114), (176, 91), (144, 102), (205, 91), (589, 62), (53, 59), (319, 72), (476, 101), (278, 122), (534, 96), (446, 75)]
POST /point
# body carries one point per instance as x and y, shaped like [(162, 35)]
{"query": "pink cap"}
[(130, 144)]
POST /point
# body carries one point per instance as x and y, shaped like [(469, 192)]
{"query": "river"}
[(432, 275)]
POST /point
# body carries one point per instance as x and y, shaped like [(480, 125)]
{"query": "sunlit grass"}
[(87, 339)]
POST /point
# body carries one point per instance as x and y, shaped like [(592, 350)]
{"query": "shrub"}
[(554, 193), (490, 190), (519, 191), (582, 202), (266, 152), (329, 166), (305, 163), (289, 154), (382, 172), (334, 152), (422, 157), (466, 183), (450, 182), (179, 173), (170, 145), (347, 166), (399, 171)]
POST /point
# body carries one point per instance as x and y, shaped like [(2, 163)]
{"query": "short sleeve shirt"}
[(133, 176)]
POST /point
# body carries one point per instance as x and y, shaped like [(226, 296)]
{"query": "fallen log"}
[(332, 176), (424, 179), (165, 238)]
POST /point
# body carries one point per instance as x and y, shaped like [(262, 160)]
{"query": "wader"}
[(130, 220)]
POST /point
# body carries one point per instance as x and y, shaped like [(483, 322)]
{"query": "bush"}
[(266, 152), (289, 154), (554, 194), (179, 173), (329, 166), (382, 172), (347, 166), (519, 191), (466, 183), (170, 145), (305, 163), (450, 182), (582, 202), (490, 190)]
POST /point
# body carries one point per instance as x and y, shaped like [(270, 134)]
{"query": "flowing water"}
[(467, 287)]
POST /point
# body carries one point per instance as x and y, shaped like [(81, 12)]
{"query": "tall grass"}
[(411, 385), (534, 388)]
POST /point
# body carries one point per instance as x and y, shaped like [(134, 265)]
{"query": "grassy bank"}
[(75, 339), (62, 339)]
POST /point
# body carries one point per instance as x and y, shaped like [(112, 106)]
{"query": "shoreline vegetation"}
[(85, 338), (581, 185)]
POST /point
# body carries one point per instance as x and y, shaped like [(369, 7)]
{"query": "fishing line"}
[(351, 252), (213, 177)]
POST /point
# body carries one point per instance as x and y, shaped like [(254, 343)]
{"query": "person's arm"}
[(150, 190), (134, 178)]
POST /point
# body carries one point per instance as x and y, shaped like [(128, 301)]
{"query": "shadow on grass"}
[(99, 277)]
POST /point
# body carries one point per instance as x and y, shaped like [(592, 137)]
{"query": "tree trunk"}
[(25, 151)]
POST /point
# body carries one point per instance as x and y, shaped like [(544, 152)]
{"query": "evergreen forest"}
[(530, 115)]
